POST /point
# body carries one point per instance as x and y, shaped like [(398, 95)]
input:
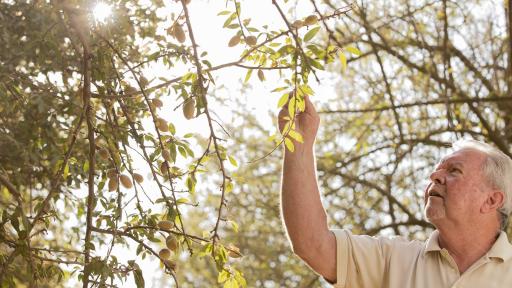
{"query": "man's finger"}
[(309, 107), (282, 113)]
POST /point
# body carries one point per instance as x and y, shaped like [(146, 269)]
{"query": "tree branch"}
[(10, 187), (421, 103)]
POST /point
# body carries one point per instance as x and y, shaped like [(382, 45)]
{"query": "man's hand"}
[(306, 123)]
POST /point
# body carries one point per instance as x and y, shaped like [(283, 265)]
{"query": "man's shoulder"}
[(389, 241), (403, 243)]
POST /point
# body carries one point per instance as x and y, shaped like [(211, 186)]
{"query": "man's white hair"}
[(497, 169)]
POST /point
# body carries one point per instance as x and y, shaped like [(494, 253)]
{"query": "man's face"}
[(457, 189)]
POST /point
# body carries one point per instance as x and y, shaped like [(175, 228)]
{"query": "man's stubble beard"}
[(433, 213)]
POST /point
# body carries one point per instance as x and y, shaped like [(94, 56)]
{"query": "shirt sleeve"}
[(361, 260)]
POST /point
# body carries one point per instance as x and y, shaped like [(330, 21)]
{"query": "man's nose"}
[(437, 177)]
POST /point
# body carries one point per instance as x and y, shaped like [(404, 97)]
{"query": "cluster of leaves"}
[(79, 114)]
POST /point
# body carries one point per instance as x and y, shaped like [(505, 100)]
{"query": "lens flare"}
[(102, 12)]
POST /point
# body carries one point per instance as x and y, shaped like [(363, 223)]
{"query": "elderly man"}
[(468, 200)]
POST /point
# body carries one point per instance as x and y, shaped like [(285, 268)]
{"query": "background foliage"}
[(78, 116)]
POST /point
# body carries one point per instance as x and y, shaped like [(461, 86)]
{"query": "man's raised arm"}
[(303, 213)]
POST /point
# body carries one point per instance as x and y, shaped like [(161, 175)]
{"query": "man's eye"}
[(455, 170)]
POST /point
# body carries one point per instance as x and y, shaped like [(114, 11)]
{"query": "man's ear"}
[(494, 201)]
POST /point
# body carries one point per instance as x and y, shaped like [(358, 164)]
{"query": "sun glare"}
[(102, 12)]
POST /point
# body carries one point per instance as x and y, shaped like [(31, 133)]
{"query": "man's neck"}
[(467, 245)]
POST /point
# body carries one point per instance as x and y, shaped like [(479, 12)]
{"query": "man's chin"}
[(433, 215)]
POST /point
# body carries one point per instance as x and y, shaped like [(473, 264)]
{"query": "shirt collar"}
[(501, 249), (432, 242)]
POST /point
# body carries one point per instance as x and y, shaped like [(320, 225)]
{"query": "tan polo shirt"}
[(379, 262)]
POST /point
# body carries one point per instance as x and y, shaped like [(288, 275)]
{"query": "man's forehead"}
[(451, 160), (462, 156)]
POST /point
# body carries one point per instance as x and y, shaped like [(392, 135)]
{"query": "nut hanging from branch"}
[(189, 108)]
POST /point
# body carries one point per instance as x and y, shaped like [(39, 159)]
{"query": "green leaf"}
[(223, 276), (230, 18), (317, 51), (172, 129), (296, 135), (240, 278), (86, 166), (191, 184), (233, 26), (343, 60), (315, 64), (286, 49), (90, 245), (232, 161), (291, 108), (278, 89), (306, 89), (187, 77), (286, 125), (248, 75), (238, 8), (153, 56), (65, 174), (353, 50), (222, 253), (289, 144), (152, 238), (138, 277), (172, 151), (229, 186), (231, 283), (234, 225), (182, 151), (311, 33), (282, 100), (189, 151), (182, 200)]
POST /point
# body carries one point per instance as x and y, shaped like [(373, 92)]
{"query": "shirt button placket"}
[(456, 275)]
